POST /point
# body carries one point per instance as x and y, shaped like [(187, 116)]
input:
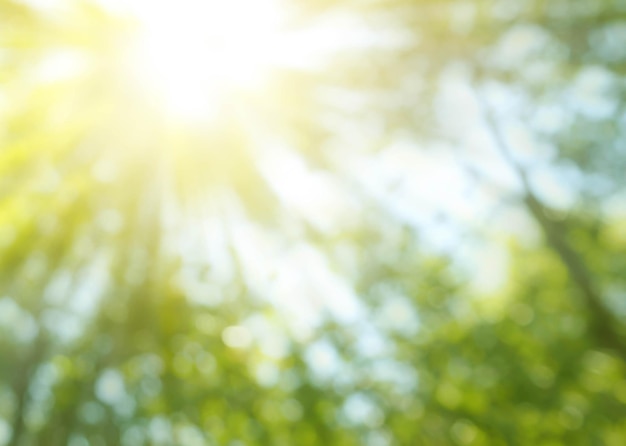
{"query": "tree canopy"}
[(377, 222)]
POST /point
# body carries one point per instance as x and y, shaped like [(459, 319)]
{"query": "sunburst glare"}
[(192, 55)]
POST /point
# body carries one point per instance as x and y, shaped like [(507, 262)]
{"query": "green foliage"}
[(157, 288)]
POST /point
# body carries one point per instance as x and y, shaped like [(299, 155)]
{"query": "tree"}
[(455, 278)]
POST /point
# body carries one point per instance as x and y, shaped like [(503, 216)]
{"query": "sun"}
[(192, 56)]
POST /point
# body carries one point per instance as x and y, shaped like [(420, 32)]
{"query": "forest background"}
[(375, 222)]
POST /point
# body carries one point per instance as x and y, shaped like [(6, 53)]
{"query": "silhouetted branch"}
[(603, 323)]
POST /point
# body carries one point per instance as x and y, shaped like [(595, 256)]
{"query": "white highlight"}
[(193, 53)]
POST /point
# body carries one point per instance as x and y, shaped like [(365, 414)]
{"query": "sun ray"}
[(194, 55)]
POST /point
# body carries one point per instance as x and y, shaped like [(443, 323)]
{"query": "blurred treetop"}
[(410, 234)]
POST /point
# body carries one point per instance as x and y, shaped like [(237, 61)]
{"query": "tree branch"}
[(603, 322)]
